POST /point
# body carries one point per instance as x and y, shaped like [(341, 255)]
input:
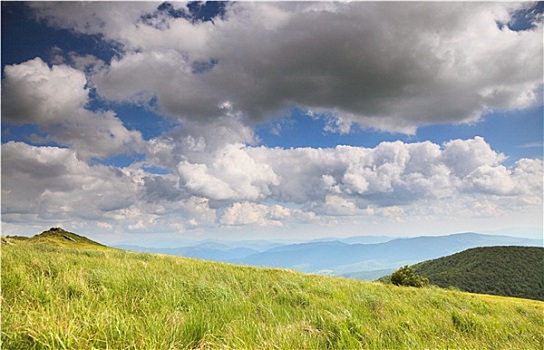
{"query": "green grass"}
[(70, 296), (58, 237)]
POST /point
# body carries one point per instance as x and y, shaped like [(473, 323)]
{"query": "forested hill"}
[(508, 271)]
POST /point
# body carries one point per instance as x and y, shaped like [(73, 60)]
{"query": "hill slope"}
[(81, 296), (508, 271), (59, 237)]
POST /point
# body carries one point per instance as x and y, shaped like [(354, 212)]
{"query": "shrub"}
[(405, 276)]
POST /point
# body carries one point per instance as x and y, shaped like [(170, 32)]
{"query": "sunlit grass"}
[(60, 297)]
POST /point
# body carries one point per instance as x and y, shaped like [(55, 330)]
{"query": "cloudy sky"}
[(287, 120)]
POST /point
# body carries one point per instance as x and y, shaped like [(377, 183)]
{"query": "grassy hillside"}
[(508, 271), (59, 237), (84, 296)]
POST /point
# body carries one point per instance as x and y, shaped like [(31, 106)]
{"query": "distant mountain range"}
[(348, 257), (204, 251)]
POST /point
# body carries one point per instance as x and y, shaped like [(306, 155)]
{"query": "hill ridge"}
[(499, 270), (59, 236)]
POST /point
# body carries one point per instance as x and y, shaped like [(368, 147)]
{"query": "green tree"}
[(405, 276)]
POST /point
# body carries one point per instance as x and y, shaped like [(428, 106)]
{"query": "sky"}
[(272, 120)]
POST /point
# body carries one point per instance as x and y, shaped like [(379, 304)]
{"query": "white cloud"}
[(349, 180), (231, 175), (33, 92), (270, 187), (388, 66), (52, 183), (196, 178), (197, 141), (465, 156), (198, 212), (104, 225), (530, 145), (337, 205), (55, 100), (255, 214), (113, 19), (492, 180), (251, 214)]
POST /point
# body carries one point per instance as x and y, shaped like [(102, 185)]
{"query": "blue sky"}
[(271, 120)]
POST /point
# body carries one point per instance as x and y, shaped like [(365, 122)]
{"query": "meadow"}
[(85, 296)]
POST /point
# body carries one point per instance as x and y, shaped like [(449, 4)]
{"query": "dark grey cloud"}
[(391, 66)]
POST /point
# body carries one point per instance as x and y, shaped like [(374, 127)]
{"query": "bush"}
[(405, 276)]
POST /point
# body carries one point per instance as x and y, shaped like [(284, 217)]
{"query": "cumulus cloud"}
[(51, 182), (252, 214), (389, 66), (256, 214), (390, 174), (94, 18), (337, 205), (55, 98), (34, 93), (465, 156), (233, 174), (349, 180), (197, 141), (242, 185), (197, 212)]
